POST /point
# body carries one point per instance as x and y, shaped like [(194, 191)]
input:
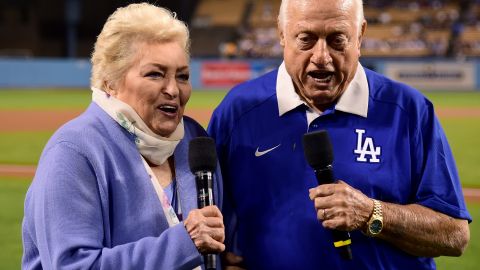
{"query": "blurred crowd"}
[(443, 28)]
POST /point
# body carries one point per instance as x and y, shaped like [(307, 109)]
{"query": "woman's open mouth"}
[(168, 109)]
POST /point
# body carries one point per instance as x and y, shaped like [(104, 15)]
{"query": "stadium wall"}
[(222, 74), (43, 73)]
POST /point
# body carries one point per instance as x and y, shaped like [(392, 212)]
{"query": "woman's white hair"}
[(124, 29), (283, 13)]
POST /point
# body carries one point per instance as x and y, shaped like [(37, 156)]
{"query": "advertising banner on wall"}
[(217, 74), (448, 76)]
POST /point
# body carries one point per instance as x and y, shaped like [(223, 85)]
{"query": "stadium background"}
[(433, 45)]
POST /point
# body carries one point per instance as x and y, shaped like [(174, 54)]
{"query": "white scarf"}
[(154, 148)]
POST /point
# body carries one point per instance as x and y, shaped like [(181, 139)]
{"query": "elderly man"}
[(398, 192)]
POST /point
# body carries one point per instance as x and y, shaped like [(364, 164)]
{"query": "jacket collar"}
[(354, 100)]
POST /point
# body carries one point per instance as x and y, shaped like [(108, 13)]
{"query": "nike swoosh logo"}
[(261, 153)]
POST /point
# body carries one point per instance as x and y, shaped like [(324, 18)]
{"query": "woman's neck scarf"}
[(153, 147)]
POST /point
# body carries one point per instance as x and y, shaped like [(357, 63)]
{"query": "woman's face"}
[(157, 85)]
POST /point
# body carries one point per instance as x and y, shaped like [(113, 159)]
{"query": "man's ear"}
[(281, 34), (362, 32)]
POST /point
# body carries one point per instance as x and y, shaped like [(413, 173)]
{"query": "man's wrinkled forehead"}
[(294, 6)]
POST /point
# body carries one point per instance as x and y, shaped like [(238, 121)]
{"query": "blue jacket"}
[(269, 218), (92, 205)]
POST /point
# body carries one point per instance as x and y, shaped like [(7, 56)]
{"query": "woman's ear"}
[(109, 88)]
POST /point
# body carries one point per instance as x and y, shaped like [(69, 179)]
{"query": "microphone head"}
[(202, 154), (318, 149)]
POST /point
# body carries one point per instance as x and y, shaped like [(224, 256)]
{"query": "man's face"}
[(321, 41)]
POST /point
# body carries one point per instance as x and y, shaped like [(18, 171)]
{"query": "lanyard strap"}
[(168, 210)]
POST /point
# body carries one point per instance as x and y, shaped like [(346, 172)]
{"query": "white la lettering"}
[(368, 148)]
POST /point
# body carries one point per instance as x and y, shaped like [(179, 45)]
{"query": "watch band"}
[(377, 209), (375, 222)]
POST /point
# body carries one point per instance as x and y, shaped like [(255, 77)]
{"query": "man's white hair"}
[(283, 13)]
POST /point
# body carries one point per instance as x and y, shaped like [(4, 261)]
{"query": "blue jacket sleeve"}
[(64, 213)]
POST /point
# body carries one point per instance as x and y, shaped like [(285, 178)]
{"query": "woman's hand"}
[(206, 229)]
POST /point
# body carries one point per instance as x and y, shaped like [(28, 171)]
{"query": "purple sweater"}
[(92, 205)]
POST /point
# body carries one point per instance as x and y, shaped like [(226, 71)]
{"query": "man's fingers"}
[(321, 191), (321, 214), (334, 224), (327, 189), (324, 202)]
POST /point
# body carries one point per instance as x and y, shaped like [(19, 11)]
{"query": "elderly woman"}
[(113, 184)]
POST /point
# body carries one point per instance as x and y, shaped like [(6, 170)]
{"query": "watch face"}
[(376, 226)]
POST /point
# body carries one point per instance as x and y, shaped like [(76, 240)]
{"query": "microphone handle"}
[(204, 181), (210, 261), (341, 239)]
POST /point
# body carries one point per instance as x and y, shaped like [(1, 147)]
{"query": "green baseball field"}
[(29, 117)]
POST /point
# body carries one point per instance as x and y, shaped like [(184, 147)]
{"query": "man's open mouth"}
[(321, 76)]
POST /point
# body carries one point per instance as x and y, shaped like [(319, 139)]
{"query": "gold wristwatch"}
[(375, 223)]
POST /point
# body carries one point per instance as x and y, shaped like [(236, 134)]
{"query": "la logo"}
[(365, 147)]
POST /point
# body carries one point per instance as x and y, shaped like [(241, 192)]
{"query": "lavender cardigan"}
[(91, 204)]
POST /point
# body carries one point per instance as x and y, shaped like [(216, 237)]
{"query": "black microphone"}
[(319, 154), (202, 158)]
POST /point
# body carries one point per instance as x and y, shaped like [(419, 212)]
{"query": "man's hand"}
[(416, 229), (206, 229), (341, 207)]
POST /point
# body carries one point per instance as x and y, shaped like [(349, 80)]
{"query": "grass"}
[(464, 138), (44, 99), (22, 147), (206, 99), (12, 195), (25, 99), (454, 99), (79, 98)]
